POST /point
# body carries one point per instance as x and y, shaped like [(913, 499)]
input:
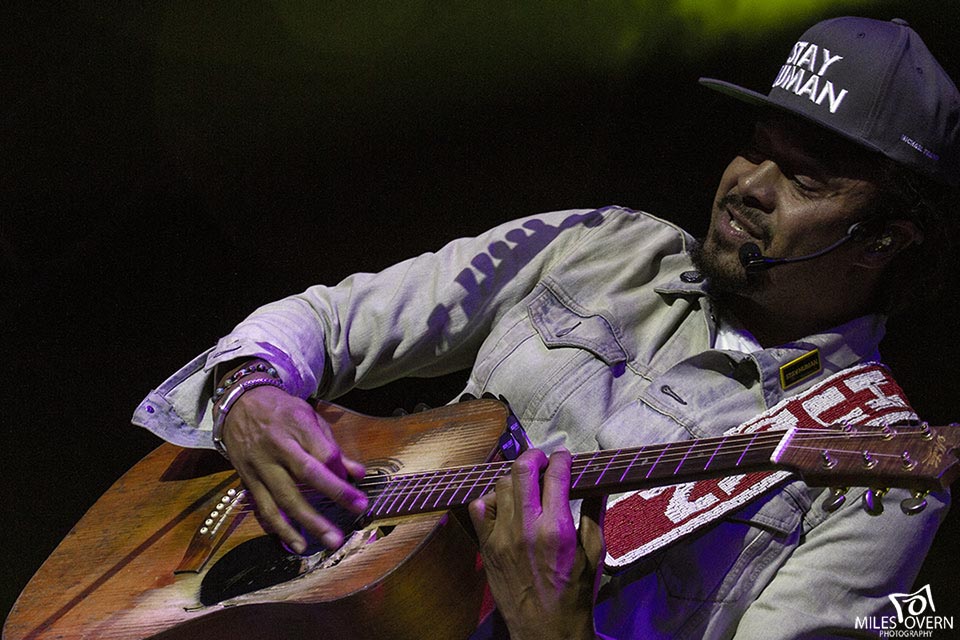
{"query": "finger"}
[(525, 480), (314, 473), (294, 505), (271, 518), (503, 492), (326, 470), (355, 469), (278, 476), (556, 483), (318, 439)]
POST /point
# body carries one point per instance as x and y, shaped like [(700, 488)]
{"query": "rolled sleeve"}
[(426, 316)]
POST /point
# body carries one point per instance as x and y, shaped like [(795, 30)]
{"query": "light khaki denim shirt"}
[(598, 330)]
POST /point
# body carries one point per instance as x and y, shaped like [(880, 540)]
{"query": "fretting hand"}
[(542, 571)]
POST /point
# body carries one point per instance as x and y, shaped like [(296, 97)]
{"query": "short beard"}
[(723, 276), (723, 271)]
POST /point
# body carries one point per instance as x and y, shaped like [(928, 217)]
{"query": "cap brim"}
[(734, 91), (760, 100)]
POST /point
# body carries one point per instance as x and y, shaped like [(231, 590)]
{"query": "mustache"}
[(756, 218)]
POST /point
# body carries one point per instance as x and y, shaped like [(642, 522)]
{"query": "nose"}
[(757, 185)]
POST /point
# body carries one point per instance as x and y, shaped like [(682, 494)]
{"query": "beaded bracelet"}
[(225, 396), (249, 368)]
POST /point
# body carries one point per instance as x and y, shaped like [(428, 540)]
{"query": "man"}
[(611, 328)]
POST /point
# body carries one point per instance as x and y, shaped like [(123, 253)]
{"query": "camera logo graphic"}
[(913, 604)]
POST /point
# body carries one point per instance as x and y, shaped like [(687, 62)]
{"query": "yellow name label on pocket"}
[(800, 369)]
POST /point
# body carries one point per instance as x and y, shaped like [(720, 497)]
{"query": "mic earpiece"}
[(882, 244), (859, 231)]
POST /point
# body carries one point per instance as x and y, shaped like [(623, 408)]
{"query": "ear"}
[(880, 248)]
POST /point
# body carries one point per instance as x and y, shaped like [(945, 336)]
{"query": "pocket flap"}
[(561, 326)]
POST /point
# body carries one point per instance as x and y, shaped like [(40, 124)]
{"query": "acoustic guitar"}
[(172, 550)]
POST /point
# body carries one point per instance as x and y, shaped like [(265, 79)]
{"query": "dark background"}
[(168, 166)]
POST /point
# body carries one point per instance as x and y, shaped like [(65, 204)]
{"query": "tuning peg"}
[(872, 501), (420, 407), (914, 505), (838, 495)]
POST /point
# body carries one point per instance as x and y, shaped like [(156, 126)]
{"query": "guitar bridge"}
[(216, 526)]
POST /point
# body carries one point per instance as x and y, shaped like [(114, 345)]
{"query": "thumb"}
[(483, 515), (592, 511)]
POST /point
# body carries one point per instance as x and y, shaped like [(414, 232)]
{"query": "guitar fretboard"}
[(591, 473)]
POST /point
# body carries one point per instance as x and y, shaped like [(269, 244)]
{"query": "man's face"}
[(792, 191)]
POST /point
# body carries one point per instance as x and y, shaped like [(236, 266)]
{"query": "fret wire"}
[(612, 458), (455, 483), (714, 454), (393, 485), (373, 503), (584, 470), (435, 487), (414, 490), (492, 481), (746, 448), (680, 464), (630, 465), (653, 466), (478, 476), (402, 483)]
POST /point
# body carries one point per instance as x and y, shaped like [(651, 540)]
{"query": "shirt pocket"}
[(567, 325), (558, 365)]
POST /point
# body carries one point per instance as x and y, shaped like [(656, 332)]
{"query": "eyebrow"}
[(818, 151), (788, 150)]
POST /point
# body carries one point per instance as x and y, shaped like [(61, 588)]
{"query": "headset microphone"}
[(754, 261)]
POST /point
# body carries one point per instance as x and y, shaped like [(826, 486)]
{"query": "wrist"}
[(250, 375)]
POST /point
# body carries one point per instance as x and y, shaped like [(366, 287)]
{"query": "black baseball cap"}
[(872, 82)]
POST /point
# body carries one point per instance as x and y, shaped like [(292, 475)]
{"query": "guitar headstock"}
[(921, 458)]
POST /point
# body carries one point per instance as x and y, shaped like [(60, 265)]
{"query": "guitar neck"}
[(595, 473)]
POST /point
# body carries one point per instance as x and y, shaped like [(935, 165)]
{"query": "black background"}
[(167, 167)]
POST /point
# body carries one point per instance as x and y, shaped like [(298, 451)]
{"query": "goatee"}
[(721, 267), (723, 272)]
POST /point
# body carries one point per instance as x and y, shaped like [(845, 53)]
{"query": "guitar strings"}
[(404, 484), (680, 451), (439, 481)]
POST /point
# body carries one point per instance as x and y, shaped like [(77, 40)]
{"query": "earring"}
[(881, 244)]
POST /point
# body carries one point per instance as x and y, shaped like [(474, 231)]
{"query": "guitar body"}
[(172, 551), (134, 565)]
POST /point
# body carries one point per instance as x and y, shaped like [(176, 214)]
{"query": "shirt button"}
[(691, 277)]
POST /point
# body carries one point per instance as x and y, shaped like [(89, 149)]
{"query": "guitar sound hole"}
[(264, 562), (255, 564)]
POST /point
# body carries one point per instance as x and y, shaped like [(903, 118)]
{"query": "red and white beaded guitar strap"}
[(640, 522)]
